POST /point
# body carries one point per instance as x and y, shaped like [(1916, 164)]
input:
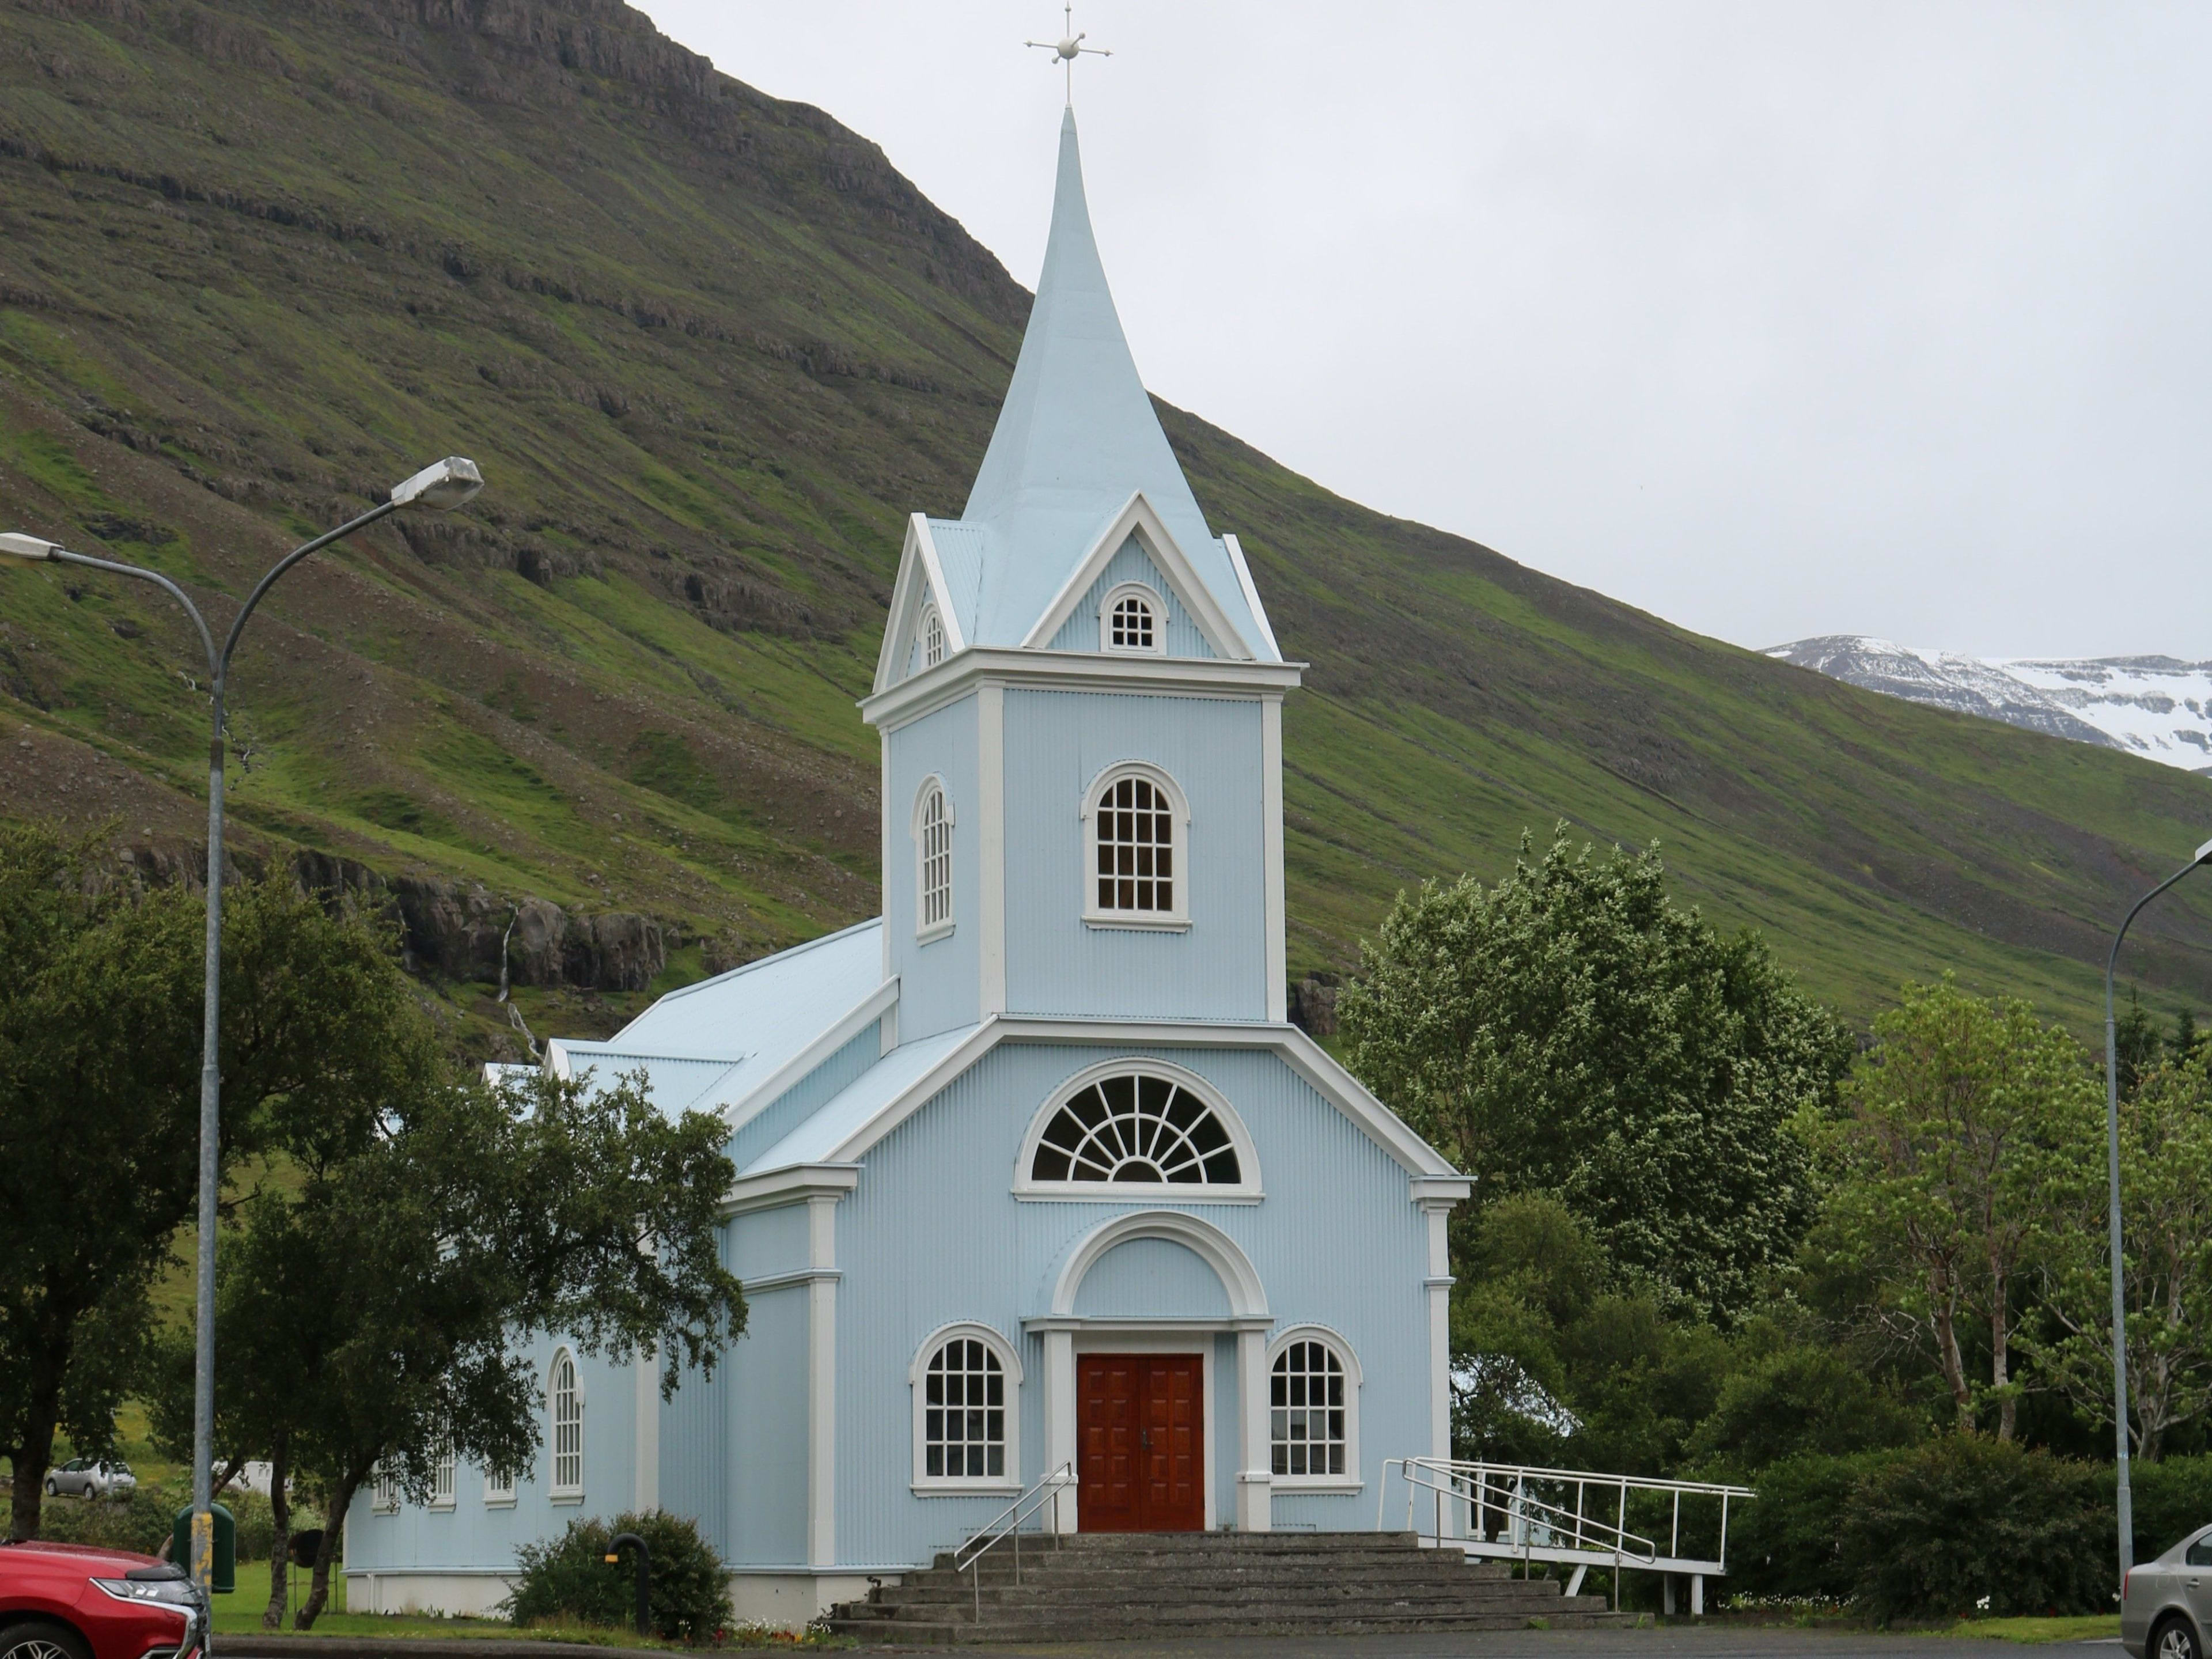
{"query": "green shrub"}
[(1789, 1542), (141, 1521), (570, 1577), (1927, 1532), (2172, 1498)]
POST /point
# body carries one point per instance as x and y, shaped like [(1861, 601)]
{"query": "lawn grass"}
[(2089, 1627)]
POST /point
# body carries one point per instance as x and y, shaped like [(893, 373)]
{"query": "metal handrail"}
[(969, 1556), (1471, 1483)]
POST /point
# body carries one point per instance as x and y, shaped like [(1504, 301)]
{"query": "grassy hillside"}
[(259, 260)]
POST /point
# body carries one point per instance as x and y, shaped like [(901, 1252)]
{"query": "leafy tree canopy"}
[(1572, 1031)]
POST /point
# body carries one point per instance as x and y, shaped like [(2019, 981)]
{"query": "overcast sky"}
[(1776, 320)]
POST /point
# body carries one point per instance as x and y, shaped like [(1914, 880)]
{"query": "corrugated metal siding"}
[(767, 1127), (765, 1415), (766, 1241), (1056, 742), (1152, 1276), (1081, 632), (939, 982), (961, 549), (933, 1234)]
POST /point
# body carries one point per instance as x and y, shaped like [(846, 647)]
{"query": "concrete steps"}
[(1096, 1586)]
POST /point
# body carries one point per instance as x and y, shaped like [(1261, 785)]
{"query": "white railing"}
[(1007, 1524), (1558, 1516)]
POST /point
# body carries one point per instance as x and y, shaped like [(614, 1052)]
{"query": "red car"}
[(71, 1602)]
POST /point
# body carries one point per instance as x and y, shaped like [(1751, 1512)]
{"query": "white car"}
[(2166, 1604), (91, 1477)]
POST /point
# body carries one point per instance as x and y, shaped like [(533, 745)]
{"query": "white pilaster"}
[(1271, 854), (1256, 1490), (990, 843), (645, 1448), (1438, 1285), (822, 1382), (1060, 1421)]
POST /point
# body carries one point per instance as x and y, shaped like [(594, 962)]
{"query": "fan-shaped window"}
[(565, 1396), (1308, 1414), (932, 637), (1137, 1127), (966, 1427), (932, 852)]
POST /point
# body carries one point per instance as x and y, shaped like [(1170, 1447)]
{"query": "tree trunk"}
[(1944, 1314), (2000, 1354), (333, 1522), (36, 1454), (280, 1515)]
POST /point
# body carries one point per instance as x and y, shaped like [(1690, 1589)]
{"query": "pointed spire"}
[(1077, 433)]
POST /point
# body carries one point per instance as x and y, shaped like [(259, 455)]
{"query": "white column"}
[(991, 844), (1270, 856), (822, 1382), (1438, 1285), (1060, 1422), (1256, 1481), (645, 1448)]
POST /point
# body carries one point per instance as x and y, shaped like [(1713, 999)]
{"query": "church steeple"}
[(1076, 436)]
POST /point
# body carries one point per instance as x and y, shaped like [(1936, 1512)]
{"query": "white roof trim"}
[(863, 1013), (1302, 1054), (1136, 517), (793, 1185), (921, 580), (1235, 551)]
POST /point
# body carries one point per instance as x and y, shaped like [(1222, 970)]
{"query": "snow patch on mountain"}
[(2160, 708)]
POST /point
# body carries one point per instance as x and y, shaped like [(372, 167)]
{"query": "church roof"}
[(1077, 437)]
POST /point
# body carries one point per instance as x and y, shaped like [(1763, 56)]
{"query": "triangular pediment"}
[(920, 585), (1163, 554)]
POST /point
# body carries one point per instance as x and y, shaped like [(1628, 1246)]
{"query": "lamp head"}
[(17, 545), (2203, 853), (442, 485)]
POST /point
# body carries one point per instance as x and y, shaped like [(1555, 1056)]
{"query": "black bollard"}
[(644, 1577)]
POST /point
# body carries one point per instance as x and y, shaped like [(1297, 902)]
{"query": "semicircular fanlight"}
[(1136, 1127)]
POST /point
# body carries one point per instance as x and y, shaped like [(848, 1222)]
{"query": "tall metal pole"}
[(444, 484), (2126, 1500)]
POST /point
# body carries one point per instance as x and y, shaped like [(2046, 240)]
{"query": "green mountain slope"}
[(259, 260)]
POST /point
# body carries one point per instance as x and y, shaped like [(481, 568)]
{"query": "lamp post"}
[(443, 485), (2126, 1504)]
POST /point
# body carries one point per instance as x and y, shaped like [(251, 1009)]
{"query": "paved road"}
[(1674, 1642)]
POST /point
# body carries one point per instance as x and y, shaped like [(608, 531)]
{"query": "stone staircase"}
[(1094, 1586)]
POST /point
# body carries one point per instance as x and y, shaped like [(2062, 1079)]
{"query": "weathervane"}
[(1069, 47)]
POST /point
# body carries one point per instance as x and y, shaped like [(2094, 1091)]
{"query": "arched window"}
[(1132, 1122), (1312, 1387), (1136, 876), (565, 1397), (932, 637), (1129, 621), (933, 862), (441, 1480), (384, 1492), (965, 1416)]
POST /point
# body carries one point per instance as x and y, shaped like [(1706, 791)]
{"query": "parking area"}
[(1668, 1642)]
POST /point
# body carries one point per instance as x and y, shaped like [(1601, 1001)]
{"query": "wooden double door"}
[(1141, 1430)]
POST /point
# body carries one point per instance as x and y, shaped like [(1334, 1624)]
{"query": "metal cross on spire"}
[(1069, 47)]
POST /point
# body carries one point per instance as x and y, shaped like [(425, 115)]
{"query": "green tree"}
[(2165, 1184), (1938, 1197), (2136, 1045), (100, 1057), (391, 1298), (1570, 1030)]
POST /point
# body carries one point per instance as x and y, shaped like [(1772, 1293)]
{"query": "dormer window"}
[(1130, 622), (932, 637)]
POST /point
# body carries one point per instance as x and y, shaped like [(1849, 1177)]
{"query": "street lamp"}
[(2204, 854), (443, 486)]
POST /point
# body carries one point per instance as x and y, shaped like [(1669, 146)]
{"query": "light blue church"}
[(1034, 1173)]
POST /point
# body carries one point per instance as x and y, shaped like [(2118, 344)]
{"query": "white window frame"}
[(1246, 1190), (1175, 919), (383, 1491), (1350, 1480), (1157, 605), (441, 1480), (967, 1485), (925, 932), (499, 1489), (928, 652), (558, 1490)]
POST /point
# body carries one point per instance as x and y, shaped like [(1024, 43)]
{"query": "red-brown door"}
[(1140, 1423)]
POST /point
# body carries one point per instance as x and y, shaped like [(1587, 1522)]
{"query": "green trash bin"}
[(226, 1546)]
